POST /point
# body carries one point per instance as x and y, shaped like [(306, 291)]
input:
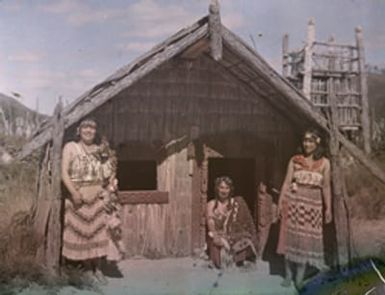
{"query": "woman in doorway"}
[(304, 205), (85, 236), (231, 230)]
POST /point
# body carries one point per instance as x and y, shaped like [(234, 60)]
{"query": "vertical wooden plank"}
[(173, 208), (164, 184), (204, 188), (285, 55), (186, 200), (308, 59), (42, 207), (143, 234), (127, 229), (196, 242), (55, 223), (180, 202), (365, 120), (339, 201)]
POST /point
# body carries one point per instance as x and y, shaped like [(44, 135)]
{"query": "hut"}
[(198, 105)]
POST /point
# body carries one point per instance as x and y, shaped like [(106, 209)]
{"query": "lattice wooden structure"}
[(323, 70)]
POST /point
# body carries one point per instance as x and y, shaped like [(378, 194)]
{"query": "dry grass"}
[(18, 268)]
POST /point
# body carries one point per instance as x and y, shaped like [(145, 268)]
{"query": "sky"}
[(62, 48)]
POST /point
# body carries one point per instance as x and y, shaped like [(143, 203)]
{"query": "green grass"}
[(356, 280)]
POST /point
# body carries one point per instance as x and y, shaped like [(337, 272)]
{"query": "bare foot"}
[(286, 283), (100, 277)]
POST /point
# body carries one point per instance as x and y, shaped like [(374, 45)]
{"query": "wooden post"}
[(194, 149), (55, 223), (42, 207), (215, 28), (332, 58), (365, 120), (331, 97), (308, 59), (204, 188), (285, 55), (340, 213)]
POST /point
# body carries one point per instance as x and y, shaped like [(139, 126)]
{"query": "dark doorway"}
[(241, 171)]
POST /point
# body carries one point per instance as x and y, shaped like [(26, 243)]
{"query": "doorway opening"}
[(243, 173)]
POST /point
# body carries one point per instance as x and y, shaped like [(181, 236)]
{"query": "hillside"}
[(17, 124), (16, 119)]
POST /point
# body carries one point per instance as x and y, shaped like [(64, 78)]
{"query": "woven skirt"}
[(301, 232), (85, 232)]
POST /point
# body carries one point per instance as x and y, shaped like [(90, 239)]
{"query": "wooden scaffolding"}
[(327, 70)]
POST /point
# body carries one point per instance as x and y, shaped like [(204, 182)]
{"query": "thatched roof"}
[(236, 57)]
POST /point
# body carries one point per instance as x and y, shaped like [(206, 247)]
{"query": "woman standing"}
[(231, 230), (85, 237), (304, 205)]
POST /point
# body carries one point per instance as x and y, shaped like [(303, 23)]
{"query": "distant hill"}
[(16, 119), (17, 124)]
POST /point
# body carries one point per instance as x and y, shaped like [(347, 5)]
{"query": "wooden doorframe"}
[(200, 175), (199, 171)]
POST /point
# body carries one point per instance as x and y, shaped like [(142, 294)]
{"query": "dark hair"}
[(98, 137), (320, 149), (228, 181)]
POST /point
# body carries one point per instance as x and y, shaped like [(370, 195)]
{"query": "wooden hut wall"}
[(152, 120), (159, 230)]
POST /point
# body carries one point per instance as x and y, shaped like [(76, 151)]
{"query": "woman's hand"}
[(217, 240), (77, 199), (113, 186), (328, 215)]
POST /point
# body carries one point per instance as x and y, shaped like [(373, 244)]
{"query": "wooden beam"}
[(365, 120), (215, 28), (196, 49), (308, 59), (55, 222), (143, 197), (294, 97), (285, 55)]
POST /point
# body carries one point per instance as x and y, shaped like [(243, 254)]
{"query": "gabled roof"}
[(238, 58), (120, 80)]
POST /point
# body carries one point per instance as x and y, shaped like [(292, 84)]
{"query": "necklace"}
[(87, 148), (91, 164)]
